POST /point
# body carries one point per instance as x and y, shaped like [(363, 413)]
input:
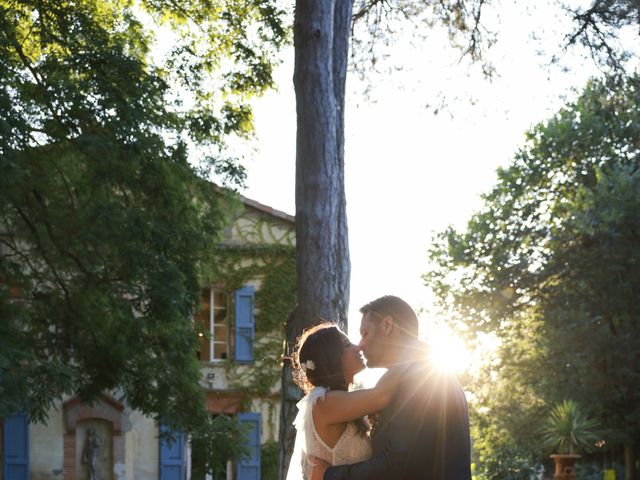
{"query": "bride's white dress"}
[(352, 447)]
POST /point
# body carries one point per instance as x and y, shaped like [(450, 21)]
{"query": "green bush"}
[(269, 461), (569, 429)]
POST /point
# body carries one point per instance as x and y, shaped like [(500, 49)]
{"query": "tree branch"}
[(45, 257)]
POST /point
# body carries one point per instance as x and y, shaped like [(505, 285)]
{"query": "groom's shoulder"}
[(422, 372), (417, 381), (423, 381)]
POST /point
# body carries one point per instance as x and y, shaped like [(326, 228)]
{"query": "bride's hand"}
[(389, 381)]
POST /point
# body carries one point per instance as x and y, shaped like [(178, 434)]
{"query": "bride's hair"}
[(317, 361)]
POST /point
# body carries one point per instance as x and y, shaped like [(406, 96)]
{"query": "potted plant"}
[(568, 431)]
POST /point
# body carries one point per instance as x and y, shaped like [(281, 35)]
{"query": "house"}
[(239, 324)]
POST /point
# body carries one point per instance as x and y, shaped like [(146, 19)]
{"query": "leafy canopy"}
[(105, 222), (550, 267)]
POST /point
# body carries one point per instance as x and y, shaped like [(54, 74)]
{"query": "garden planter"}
[(564, 466)]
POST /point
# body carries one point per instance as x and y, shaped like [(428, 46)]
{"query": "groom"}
[(424, 432)]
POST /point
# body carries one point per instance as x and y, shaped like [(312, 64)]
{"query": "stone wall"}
[(142, 449), (46, 448)]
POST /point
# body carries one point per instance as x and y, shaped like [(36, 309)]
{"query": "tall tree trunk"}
[(321, 41), (321, 228), (341, 34)]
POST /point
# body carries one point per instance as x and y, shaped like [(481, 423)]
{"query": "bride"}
[(331, 423)]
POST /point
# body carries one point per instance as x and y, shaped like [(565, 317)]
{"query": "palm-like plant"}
[(569, 429)]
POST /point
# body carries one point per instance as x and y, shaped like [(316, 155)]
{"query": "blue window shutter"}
[(172, 456), (249, 467), (15, 447), (244, 324)]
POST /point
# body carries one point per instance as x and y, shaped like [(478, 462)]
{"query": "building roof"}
[(267, 209)]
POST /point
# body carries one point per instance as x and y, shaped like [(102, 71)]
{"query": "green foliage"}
[(503, 407), (549, 266), (104, 255), (214, 442), (568, 429), (594, 471), (500, 456), (269, 460), (105, 223), (87, 68)]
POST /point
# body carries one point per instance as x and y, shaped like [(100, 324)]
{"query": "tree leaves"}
[(105, 222), (569, 429), (549, 265)]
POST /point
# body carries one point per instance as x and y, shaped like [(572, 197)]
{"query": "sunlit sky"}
[(409, 172)]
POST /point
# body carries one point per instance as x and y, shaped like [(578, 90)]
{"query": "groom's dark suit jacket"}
[(422, 434)]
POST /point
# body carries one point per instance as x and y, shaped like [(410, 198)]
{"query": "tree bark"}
[(321, 41), (323, 265), (341, 34)]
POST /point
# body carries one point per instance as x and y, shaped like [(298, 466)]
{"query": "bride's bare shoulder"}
[(331, 399)]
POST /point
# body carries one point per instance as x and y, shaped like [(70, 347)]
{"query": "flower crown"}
[(308, 365)]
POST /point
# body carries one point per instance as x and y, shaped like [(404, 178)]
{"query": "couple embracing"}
[(412, 425)]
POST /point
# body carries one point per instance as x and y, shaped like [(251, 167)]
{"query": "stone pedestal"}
[(564, 466)]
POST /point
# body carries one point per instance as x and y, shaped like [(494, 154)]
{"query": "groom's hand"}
[(319, 467)]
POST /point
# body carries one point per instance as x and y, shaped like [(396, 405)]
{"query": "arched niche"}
[(105, 417)]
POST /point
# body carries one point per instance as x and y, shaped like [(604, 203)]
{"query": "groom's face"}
[(372, 342)]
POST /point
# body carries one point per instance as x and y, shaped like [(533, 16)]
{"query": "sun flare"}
[(448, 351)]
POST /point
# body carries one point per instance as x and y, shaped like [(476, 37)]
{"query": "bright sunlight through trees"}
[(448, 351)]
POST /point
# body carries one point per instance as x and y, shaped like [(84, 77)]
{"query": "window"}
[(226, 332), (214, 329)]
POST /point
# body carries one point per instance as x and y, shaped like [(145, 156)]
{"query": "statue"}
[(90, 453)]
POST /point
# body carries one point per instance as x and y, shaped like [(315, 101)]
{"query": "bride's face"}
[(352, 361)]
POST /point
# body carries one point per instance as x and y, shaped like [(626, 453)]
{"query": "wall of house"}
[(214, 377), (270, 417), (142, 451), (46, 447), (254, 227)]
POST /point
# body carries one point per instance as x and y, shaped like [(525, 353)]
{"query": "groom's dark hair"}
[(401, 312)]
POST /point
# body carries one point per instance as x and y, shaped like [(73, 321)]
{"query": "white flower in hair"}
[(308, 365)]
